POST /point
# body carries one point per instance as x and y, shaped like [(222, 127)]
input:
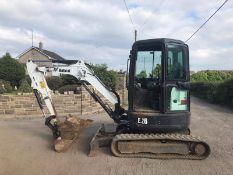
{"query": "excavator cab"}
[(159, 98)]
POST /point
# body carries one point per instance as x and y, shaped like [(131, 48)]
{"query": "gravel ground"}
[(25, 148)]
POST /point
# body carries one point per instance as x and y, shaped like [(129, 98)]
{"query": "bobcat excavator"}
[(156, 123)]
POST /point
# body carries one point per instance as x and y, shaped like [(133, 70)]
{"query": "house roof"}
[(49, 54), (52, 54)]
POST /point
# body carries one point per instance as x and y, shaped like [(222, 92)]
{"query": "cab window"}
[(176, 63)]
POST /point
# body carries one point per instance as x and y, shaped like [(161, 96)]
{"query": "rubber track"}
[(169, 137)]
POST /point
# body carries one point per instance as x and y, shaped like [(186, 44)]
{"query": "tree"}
[(142, 74), (24, 86), (69, 79), (157, 71), (54, 83), (5, 86), (108, 77), (11, 70)]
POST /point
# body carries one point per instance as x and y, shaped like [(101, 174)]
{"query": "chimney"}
[(40, 45)]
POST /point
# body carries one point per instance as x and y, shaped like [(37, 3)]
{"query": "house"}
[(38, 53)]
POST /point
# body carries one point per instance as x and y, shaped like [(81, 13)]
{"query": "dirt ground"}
[(25, 148)]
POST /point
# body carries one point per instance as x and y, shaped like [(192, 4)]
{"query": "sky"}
[(100, 31)]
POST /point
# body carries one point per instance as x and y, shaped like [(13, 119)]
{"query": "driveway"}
[(25, 148)]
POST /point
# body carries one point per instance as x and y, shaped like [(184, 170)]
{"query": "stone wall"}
[(25, 105), (121, 88)]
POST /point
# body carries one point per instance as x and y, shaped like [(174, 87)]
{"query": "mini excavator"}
[(156, 123)]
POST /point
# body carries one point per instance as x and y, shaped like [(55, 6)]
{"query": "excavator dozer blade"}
[(69, 131), (102, 138)]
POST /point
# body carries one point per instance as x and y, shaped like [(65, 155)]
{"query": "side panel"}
[(157, 122)]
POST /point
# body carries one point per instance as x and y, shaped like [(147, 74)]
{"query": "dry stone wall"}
[(25, 105)]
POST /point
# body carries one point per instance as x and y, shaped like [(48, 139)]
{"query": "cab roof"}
[(158, 41)]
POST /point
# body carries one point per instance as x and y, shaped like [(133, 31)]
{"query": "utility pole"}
[(144, 63), (32, 37), (135, 35)]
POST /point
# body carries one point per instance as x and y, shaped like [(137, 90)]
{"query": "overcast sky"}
[(99, 31)]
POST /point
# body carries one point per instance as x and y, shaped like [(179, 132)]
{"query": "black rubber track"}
[(182, 138)]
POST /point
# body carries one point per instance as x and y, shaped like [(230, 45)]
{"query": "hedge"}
[(221, 92), (211, 76)]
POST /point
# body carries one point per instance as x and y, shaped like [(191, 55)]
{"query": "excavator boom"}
[(65, 132)]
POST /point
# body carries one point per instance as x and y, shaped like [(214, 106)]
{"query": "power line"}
[(207, 20), (32, 36), (129, 14)]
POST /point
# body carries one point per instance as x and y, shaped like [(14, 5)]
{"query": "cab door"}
[(176, 92)]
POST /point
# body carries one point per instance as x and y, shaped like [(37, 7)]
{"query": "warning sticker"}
[(42, 85)]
